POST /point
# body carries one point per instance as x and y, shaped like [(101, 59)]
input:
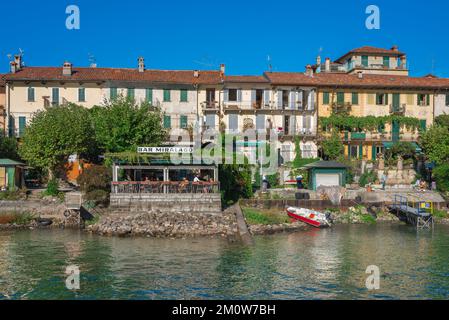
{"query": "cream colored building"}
[(2, 106), (177, 93)]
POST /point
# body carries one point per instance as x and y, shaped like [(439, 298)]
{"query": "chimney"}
[(404, 62), (141, 61), (309, 71), (360, 74), (327, 65), (196, 73), (67, 69), (318, 61), (13, 67), (18, 61), (395, 48), (222, 69)]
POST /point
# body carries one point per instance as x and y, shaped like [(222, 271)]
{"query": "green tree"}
[(56, 133), (442, 120), (333, 147), (435, 142), (123, 125), (441, 175), (403, 149), (8, 148), (235, 182)]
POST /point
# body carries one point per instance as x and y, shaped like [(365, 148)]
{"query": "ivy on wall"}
[(368, 123)]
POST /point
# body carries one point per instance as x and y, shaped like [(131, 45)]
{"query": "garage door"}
[(327, 180)]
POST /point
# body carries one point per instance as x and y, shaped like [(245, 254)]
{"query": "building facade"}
[(2, 105)]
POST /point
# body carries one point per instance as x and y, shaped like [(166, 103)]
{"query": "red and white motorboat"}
[(311, 217)]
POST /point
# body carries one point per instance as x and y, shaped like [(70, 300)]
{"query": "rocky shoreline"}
[(157, 224)]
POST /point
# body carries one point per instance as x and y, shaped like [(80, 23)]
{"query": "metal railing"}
[(160, 187)]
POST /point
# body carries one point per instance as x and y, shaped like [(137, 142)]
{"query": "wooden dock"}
[(417, 214)]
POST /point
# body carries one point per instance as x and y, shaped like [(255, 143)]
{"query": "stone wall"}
[(159, 224), (171, 203)]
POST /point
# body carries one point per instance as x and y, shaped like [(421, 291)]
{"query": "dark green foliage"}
[(367, 178), (8, 148), (403, 149), (95, 182), (235, 182), (333, 147), (52, 188), (442, 120), (441, 175)]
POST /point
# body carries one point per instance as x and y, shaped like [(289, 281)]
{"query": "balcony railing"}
[(160, 187), (358, 136), (399, 110), (341, 108), (210, 105)]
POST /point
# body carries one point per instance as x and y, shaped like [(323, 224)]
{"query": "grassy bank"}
[(22, 218), (264, 217)]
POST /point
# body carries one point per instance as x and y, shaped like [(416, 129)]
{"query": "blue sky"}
[(203, 34)]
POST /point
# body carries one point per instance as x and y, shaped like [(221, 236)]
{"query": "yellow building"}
[(401, 107)]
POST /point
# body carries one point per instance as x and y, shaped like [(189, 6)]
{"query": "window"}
[(183, 123), (340, 98), (387, 62), (285, 98), (365, 61), (31, 94), (232, 95), (113, 94), (167, 95), (423, 125), (55, 96), (326, 97), (82, 95), (167, 122), (22, 125), (381, 128), (382, 99), (355, 98), (210, 121), (149, 95), (131, 93), (184, 95), (423, 100), (210, 96)]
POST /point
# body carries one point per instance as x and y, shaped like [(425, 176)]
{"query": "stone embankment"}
[(157, 224)]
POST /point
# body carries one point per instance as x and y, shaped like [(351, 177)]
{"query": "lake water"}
[(313, 264)]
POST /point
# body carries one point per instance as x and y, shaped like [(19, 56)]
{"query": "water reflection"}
[(314, 264)]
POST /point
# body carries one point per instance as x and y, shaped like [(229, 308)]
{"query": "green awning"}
[(10, 163), (389, 144)]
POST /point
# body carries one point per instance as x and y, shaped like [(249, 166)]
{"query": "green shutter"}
[(447, 99), (326, 97), (11, 126), (340, 97), (374, 152), (386, 98), (361, 151), (183, 122), (184, 95), (22, 125), (30, 94), (387, 62), (381, 128), (131, 93), (355, 98), (113, 93), (428, 99), (167, 97), (365, 61), (423, 125), (167, 122), (81, 94), (396, 130), (149, 95), (55, 96)]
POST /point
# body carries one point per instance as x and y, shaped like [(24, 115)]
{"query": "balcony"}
[(210, 105), (358, 136), (341, 108), (398, 110)]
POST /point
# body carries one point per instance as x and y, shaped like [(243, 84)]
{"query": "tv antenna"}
[(270, 65), (92, 60)]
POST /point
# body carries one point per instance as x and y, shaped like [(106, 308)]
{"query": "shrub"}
[(13, 195), (98, 197), (52, 188), (95, 178), (367, 178), (22, 218), (441, 175), (257, 217)]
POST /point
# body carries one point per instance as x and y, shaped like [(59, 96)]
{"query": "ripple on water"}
[(312, 264)]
